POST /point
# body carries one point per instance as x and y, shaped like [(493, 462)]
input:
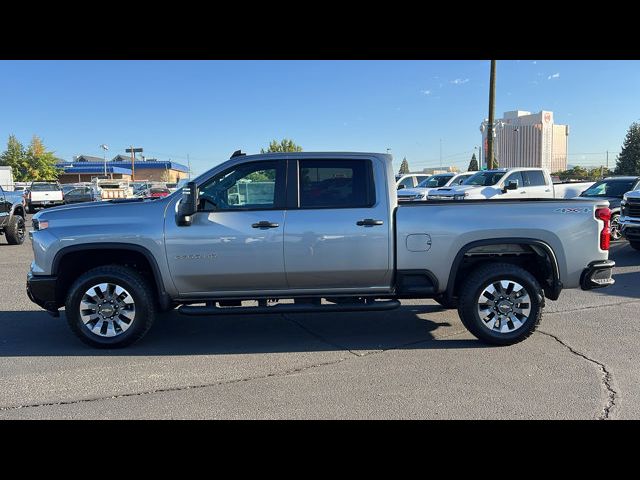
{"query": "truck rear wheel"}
[(14, 231), (110, 307), (500, 303)]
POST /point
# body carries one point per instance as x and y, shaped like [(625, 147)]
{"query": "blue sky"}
[(208, 109)]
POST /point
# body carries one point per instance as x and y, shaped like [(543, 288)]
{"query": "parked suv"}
[(410, 180), (613, 189)]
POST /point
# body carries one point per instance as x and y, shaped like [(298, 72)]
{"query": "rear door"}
[(337, 232), (535, 183)]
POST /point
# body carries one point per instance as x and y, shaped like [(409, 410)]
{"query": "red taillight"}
[(604, 214)]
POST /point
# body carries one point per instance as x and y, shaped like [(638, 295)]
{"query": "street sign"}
[(133, 150)]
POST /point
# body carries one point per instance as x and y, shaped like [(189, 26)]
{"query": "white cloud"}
[(426, 92), (459, 81), (555, 75), (535, 62)]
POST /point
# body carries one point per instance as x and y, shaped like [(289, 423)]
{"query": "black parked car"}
[(80, 194), (612, 189)]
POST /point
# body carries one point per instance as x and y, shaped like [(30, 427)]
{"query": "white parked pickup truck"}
[(44, 194), (510, 183)]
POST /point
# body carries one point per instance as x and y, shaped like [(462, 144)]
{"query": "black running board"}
[(290, 308)]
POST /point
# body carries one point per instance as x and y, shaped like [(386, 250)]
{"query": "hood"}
[(454, 190), (635, 194), (412, 192), (104, 213)]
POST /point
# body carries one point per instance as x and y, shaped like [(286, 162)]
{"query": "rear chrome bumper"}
[(597, 275)]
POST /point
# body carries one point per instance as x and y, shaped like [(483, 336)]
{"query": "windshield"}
[(609, 188), (484, 179), (41, 187), (435, 181)]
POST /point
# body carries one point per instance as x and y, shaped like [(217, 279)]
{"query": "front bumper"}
[(630, 228), (41, 290), (597, 275)]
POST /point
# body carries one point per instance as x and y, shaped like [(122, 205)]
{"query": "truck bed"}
[(567, 226)]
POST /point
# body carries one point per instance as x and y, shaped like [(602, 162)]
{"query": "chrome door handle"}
[(369, 222), (523, 192), (265, 224)]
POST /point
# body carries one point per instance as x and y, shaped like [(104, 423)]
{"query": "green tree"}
[(404, 166), (473, 164), (284, 145), (15, 157), (628, 162), (41, 164), (34, 163)]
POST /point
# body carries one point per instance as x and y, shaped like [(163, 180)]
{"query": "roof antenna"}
[(237, 153)]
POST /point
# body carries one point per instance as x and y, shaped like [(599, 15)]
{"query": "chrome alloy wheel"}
[(107, 309), (504, 306)]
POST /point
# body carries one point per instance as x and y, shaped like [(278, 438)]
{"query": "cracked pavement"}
[(414, 362)]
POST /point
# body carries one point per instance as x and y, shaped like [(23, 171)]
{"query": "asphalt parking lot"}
[(414, 362)]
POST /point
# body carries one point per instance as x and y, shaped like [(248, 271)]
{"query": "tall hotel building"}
[(525, 139)]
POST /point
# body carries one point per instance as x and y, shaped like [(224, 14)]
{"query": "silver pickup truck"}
[(311, 232)]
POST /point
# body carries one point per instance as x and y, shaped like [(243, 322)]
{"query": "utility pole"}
[(607, 160), (492, 99), (133, 151), (189, 166)]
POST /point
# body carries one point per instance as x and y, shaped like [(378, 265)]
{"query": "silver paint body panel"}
[(316, 251)]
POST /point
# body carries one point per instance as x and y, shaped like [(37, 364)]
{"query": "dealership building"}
[(525, 139), (84, 168)]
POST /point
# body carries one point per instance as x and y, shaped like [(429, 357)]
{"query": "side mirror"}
[(188, 204), (511, 185), (401, 186)]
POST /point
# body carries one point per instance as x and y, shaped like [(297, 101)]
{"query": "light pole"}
[(492, 98), (105, 147)]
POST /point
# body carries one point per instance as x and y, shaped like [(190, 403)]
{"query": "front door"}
[(234, 243), (337, 234), (520, 192)]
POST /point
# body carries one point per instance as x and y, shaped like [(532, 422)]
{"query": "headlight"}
[(40, 224)]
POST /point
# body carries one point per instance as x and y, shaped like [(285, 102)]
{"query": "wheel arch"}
[(548, 273), (72, 261)]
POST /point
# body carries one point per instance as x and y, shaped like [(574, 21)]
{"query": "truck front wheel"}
[(110, 307), (15, 230), (500, 303)]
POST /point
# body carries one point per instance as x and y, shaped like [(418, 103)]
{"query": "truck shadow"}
[(33, 333)]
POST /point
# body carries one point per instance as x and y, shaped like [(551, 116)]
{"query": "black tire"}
[(635, 245), (130, 280), (15, 230), (473, 287), (445, 303), (615, 228)]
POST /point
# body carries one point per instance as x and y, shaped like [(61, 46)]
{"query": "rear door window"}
[(335, 184), (533, 178)]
